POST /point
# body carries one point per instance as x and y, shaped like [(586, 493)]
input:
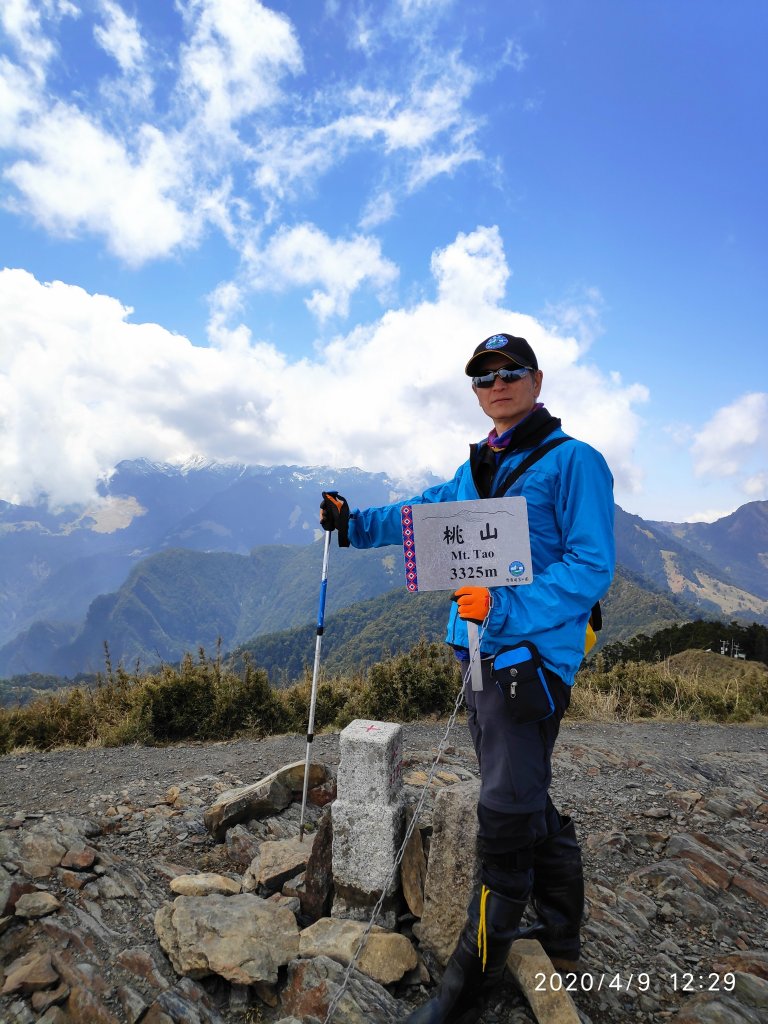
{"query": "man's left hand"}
[(474, 603)]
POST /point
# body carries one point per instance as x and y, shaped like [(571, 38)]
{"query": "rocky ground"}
[(673, 820)]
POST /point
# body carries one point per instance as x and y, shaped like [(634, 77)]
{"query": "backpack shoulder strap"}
[(528, 461), (596, 615)]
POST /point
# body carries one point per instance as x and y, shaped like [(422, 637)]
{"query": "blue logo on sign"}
[(516, 568), (497, 341)]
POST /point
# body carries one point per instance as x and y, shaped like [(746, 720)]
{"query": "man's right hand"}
[(334, 515)]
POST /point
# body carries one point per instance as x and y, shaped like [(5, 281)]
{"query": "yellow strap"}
[(590, 639), (482, 934)]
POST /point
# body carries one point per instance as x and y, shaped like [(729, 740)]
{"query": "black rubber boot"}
[(468, 982), (558, 892)]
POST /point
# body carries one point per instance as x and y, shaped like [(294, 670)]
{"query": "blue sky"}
[(274, 233)]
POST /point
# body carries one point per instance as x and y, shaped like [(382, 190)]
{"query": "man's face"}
[(507, 402)]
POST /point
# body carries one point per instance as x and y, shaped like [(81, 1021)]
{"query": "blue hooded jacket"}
[(569, 492)]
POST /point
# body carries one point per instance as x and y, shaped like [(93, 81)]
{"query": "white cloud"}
[(120, 37), (710, 515), (79, 176), (514, 55), (423, 127), (18, 99), (81, 387), (378, 210), (304, 256), (735, 433), (237, 55), (472, 269), (416, 8), (579, 315), (22, 23), (756, 487), (230, 146)]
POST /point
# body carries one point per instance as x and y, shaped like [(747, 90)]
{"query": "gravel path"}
[(66, 779)]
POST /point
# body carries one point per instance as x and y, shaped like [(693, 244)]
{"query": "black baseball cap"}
[(516, 350)]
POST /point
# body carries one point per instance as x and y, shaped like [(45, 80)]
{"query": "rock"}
[(141, 964), (235, 805), (86, 1007), (74, 879), (40, 852), (685, 799), (708, 866), (266, 993), (614, 840), (752, 887), (79, 858), (242, 938), (292, 903), (186, 1003), (41, 1001), (413, 870), (722, 1009), (312, 984), (33, 973), (53, 1015), (11, 890), (317, 893), (527, 961), (753, 961), (268, 796), (666, 874), (204, 884), (657, 812), (36, 904), (320, 796), (131, 1003), (294, 885), (386, 957), (692, 907), (242, 846), (277, 862), (452, 869), (752, 991)]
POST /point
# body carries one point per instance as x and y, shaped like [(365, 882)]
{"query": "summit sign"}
[(482, 543)]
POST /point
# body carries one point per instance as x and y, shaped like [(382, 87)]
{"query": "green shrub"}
[(424, 681), (335, 703)]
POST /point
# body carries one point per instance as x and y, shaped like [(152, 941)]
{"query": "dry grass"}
[(692, 685)]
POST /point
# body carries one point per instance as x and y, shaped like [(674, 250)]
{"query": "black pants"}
[(514, 812)]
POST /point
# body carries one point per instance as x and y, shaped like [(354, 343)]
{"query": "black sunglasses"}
[(486, 380)]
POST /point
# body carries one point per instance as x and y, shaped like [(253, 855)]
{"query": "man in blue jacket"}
[(528, 851)]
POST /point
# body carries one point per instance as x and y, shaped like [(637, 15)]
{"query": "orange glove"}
[(474, 603)]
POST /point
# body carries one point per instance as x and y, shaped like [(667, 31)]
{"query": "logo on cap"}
[(497, 341)]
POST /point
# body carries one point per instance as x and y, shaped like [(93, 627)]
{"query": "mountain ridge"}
[(66, 587)]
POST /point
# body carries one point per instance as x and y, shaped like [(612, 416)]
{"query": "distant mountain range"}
[(53, 564), (173, 558)]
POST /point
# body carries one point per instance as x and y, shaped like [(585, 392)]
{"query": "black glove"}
[(334, 515)]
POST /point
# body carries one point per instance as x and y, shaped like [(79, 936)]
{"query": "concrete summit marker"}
[(368, 819)]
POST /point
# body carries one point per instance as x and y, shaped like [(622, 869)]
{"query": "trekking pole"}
[(315, 675)]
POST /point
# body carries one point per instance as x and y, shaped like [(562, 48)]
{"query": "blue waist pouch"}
[(519, 674)]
